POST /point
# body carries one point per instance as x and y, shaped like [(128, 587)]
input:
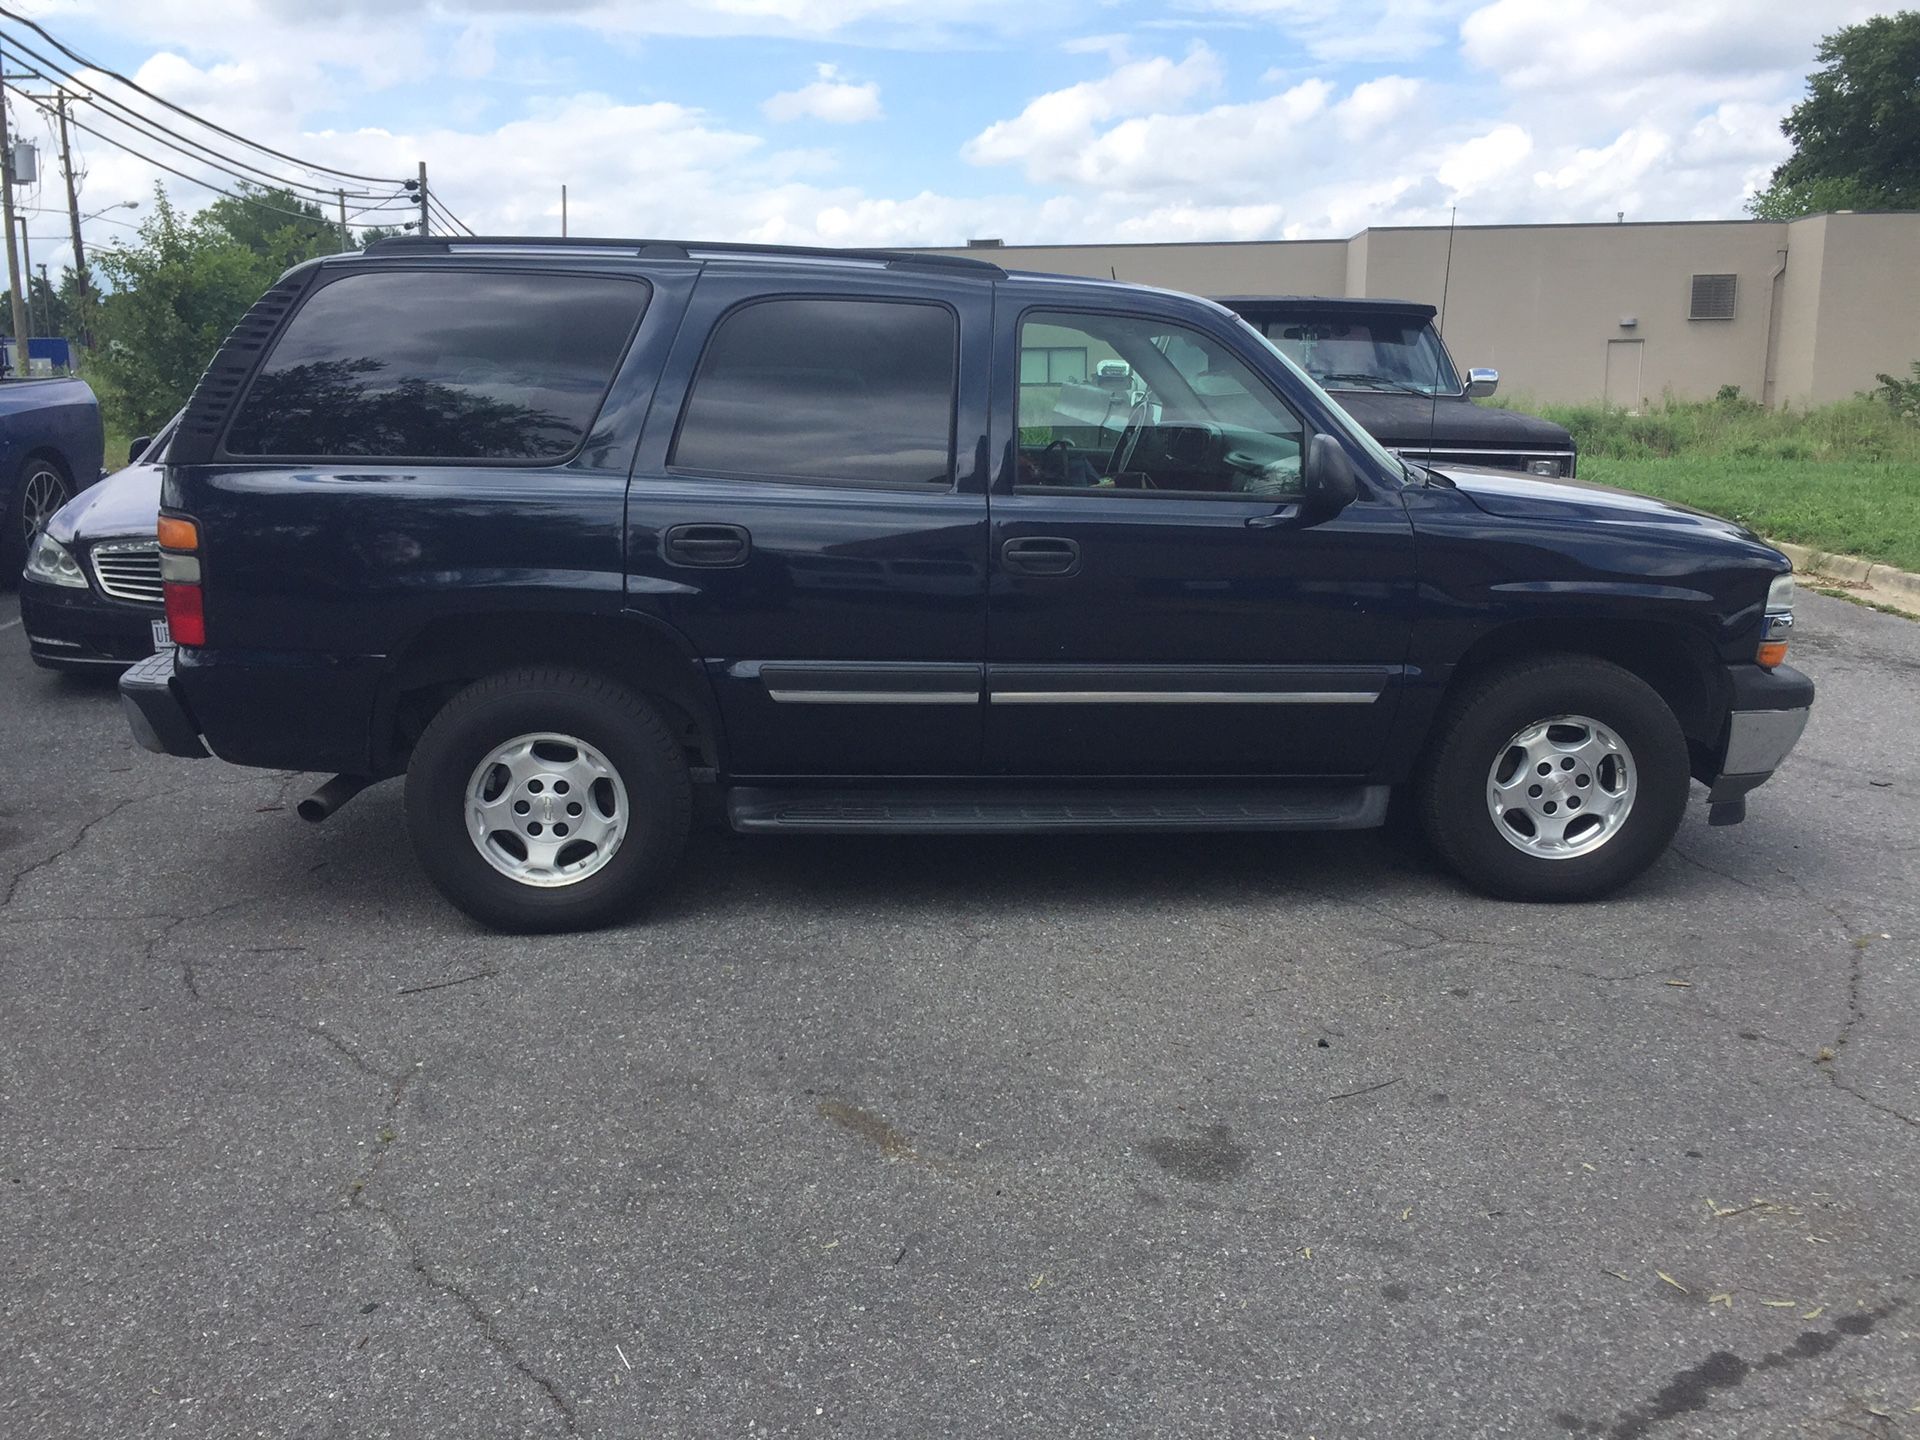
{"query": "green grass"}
[(1854, 507), (1842, 477)]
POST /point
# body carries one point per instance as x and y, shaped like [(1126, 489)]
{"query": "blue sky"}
[(864, 121)]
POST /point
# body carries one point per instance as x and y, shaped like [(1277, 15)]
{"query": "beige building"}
[(1793, 312)]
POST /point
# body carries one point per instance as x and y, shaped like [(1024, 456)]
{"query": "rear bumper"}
[(1768, 715), (157, 715), (74, 629)]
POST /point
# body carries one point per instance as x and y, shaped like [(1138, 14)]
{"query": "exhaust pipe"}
[(331, 796)]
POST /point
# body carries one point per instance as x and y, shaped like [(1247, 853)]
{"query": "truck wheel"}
[(547, 799), (1554, 779), (41, 489)]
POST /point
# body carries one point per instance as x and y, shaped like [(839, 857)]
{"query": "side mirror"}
[(1482, 382), (138, 448), (1329, 483)]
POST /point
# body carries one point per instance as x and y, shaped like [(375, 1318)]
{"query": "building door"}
[(1623, 374)]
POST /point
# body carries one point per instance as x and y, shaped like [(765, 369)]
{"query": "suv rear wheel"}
[(547, 799), (1554, 779)]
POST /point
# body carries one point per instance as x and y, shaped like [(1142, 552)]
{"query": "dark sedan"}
[(90, 593)]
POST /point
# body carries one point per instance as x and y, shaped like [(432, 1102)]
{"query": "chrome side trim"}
[(875, 697), (1183, 697)]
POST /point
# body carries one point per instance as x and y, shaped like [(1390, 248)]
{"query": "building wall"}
[(1544, 304)]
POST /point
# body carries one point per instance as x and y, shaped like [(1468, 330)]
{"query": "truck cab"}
[(1385, 362)]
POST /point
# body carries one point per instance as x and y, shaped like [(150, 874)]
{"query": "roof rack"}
[(681, 250)]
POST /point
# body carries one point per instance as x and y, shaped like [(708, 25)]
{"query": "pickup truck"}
[(1385, 362), (52, 446), (855, 542)]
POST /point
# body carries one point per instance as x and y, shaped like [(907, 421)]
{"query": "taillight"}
[(180, 580)]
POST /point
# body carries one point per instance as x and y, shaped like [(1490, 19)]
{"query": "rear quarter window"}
[(443, 365)]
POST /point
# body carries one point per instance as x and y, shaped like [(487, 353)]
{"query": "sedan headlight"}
[(49, 562), (1777, 628)]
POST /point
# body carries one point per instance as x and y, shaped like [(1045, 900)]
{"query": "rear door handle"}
[(707, 545), (1053, 555)]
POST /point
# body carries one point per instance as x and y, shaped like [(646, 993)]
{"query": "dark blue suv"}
[(563, 531)]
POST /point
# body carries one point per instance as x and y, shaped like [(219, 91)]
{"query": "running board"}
[(1056, 810)]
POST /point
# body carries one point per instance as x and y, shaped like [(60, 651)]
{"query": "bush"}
[(1902, 395)]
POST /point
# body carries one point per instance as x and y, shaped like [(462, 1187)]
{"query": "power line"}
[(82, 60), (190, 179), (146, 129), (439, 207)]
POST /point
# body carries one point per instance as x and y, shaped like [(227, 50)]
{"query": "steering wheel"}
[(1129, 440), (1060, 452)]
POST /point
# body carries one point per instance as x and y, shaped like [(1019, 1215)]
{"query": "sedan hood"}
[(127, 502), (1521, 497), (1413, 420)]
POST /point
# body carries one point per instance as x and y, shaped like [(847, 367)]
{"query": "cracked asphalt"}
[(1230, 1136)]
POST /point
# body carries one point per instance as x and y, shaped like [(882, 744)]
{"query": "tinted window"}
[(449, 365), (826, 390)]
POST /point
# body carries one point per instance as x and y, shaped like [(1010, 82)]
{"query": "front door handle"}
[(1052, 555), (706, 545)]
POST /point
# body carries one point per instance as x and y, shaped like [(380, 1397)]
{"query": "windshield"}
[(1367, 352), (1356, 432)]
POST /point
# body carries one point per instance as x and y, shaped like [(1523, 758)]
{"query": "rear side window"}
[(450, 365), (832, 390)]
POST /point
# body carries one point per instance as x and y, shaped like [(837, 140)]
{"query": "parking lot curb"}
[(1900, 587)]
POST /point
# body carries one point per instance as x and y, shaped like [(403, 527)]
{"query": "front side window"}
[(440, 365), (858, 391), (1156, 407)]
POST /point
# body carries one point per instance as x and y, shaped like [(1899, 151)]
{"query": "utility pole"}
[(563, 212), (423, 197), (82, 282), (20, 326), (346, 236), (26, 270)]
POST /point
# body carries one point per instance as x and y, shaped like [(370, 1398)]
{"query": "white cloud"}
[(1050, 136), (1476, 164), (1356, 30), (1574, 43), (829, 99)]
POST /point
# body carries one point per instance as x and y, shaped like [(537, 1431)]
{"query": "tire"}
[(41, 487), (1564, 708), (537, 717)]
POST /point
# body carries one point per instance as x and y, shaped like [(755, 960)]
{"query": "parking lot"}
[(1239, 1135)]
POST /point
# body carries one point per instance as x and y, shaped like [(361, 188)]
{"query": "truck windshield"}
[(1356, 432), (1367, 352)]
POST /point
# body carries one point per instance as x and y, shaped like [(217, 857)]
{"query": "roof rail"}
[(681, 250)]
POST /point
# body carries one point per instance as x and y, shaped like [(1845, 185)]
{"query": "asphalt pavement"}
[(1274, 1136)]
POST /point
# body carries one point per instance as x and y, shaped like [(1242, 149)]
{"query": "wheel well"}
[(1678, 663), (47, 452), (448, 655)]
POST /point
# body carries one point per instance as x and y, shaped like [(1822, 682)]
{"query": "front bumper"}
[(157, 715), (1768, 714), (74, 629)]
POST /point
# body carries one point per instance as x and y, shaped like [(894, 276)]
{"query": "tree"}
[(170, 299), (1856, 136)]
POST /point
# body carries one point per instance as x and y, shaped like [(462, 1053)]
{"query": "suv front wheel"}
[(547, 799), (1560, 778)]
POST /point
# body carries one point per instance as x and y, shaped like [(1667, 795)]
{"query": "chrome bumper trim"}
[(1758, 740)]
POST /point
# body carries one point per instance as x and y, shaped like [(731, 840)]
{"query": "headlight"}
[(1777, 628), (49, 563), (1544, 467)]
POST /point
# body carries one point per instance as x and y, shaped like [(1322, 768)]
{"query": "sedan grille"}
[(129, 570)]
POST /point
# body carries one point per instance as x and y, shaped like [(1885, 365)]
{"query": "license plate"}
[(162, 637)]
